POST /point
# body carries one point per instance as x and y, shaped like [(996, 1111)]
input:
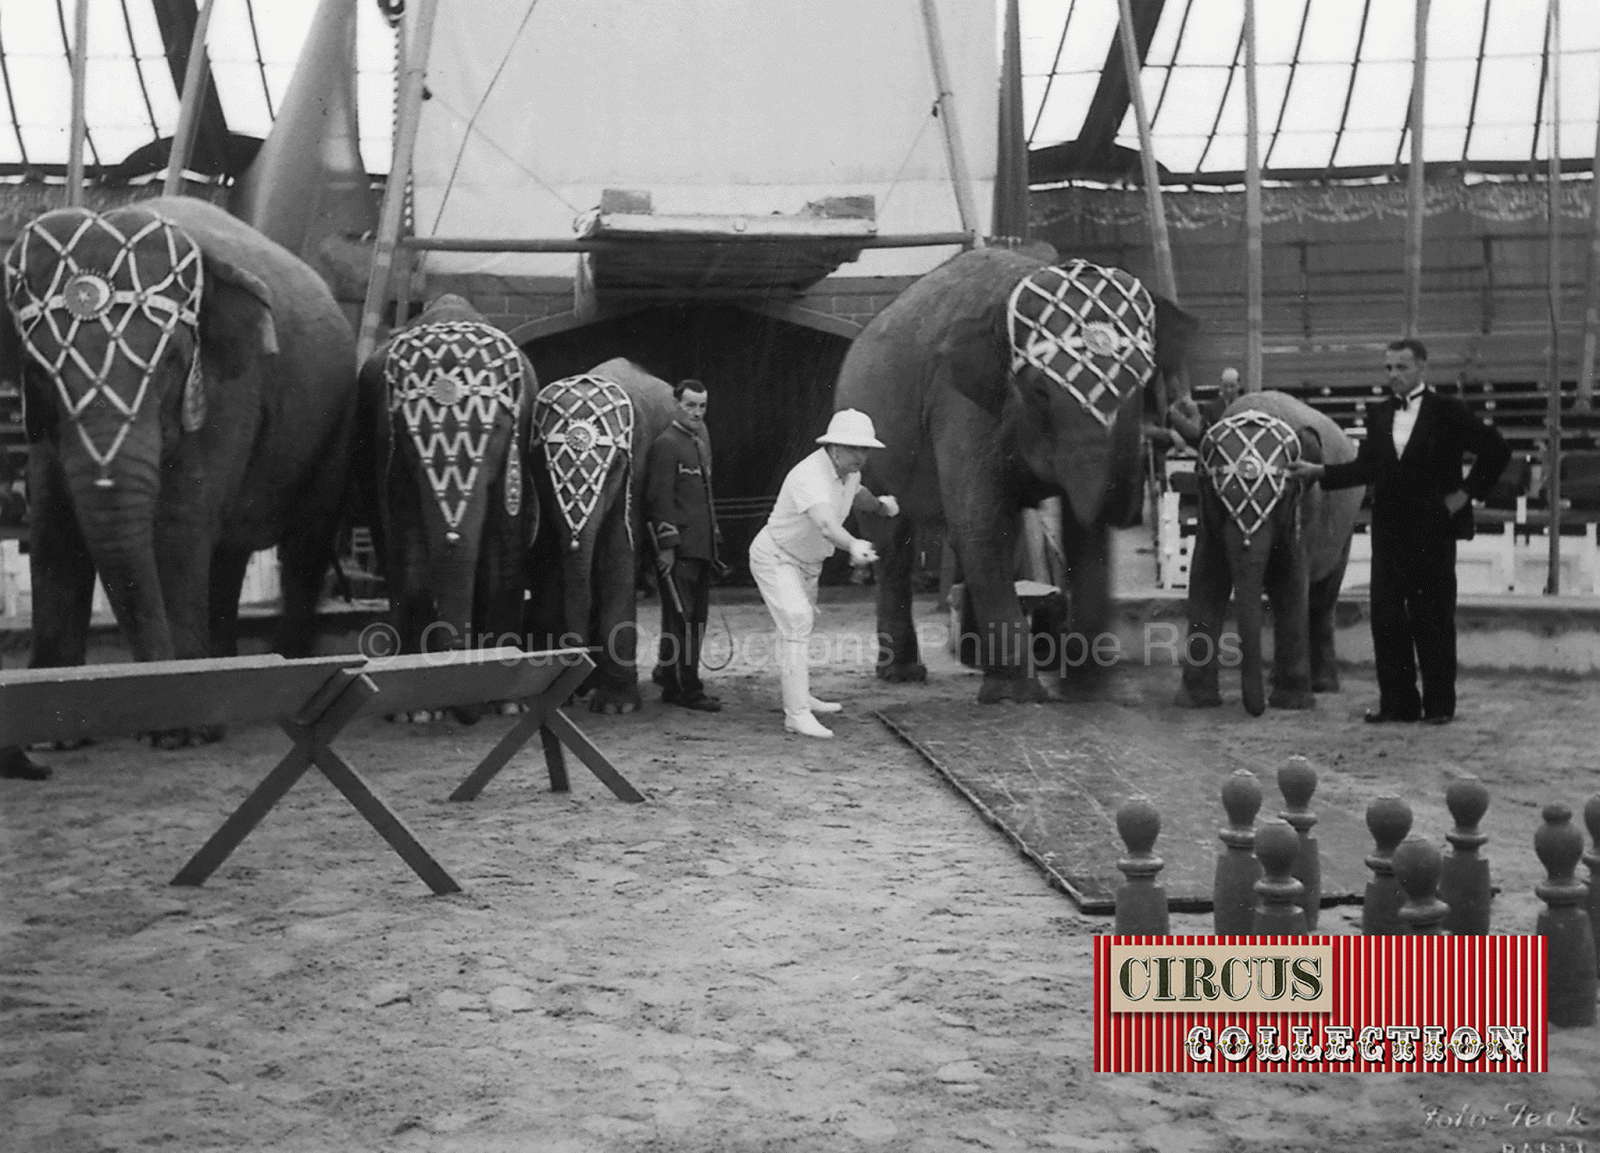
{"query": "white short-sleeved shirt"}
[(810, 483)]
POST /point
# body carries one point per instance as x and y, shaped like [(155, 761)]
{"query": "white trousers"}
[(789, 588)]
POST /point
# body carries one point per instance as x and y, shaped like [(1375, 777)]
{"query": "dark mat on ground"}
[(1051, 777)]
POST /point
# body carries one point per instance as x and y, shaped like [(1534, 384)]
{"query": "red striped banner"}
[(1398, 1004)]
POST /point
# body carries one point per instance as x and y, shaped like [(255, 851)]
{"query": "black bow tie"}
[(1402, 403)]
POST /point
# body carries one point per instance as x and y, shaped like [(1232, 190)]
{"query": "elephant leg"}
[(305, 555), (1085, 661), (60, 566), (898, 655), (615, 615), (1210, 587), (1323, 604), (228, 566), (1288, 591)]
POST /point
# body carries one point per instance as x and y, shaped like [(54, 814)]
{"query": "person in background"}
[(683, 525), (804, 529), (1412, 456)]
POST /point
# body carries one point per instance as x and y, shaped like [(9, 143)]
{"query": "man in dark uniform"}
[(1412, 456), (684, 526)]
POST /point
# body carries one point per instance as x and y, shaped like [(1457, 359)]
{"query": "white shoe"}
[(825, 706), (806, 725)]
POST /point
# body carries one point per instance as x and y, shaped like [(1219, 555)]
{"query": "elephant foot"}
[(509, 708), (15, 765), (1188, 698), (1021, 689), (1292, 699), (614, 700), (186, 738), (466, 714), (61, 746), (1325, 682), (912, 674), (415, 717)]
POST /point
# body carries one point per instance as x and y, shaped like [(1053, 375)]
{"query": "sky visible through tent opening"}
[(1334, 78)]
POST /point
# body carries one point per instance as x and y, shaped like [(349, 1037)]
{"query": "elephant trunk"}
[(118, 525), (577, 585), (452, 577), (1249, 567)]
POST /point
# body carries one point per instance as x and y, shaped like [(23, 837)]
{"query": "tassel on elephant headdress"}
[(446, 379), (78, 297), (1247, 456), (584, 422), (1089, 329)]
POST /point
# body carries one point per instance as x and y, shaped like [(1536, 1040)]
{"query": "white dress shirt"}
[(1405, 418)]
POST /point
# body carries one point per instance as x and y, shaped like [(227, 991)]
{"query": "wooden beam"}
[(960, 176), (194, 86), (1591, 309), (793, 313), (1553, 272), (80, 74), (1252, 207), (1416, 191), (642, 243), (420, 42)]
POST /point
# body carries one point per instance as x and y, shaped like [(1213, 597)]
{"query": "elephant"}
[(445, 408), (587, 462), (996, 381), (189, 394), (1260, 531)]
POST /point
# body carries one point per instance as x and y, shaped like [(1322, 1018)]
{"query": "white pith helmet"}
[(853, 428)]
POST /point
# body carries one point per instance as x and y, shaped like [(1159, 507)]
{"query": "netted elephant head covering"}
[(585, 422), (1089, 329), (89, 294), (1246, 457), (450, 382)]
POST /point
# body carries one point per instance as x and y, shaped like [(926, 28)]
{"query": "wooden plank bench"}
[(312, 700)]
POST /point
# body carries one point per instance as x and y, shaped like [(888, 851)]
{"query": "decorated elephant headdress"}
[(1246, 457), (450, 381), (79, 287), (1089, 329), (585, 423)]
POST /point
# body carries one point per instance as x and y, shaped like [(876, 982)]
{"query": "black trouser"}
[(1414, 622), (678, 657)]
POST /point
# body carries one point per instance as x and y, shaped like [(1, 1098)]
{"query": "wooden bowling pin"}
[(1278, 911), (1233, 893), (1141, 902), (1416, 865), (1388, 820), (1297, 780), (1571, 951), (1464, 875)]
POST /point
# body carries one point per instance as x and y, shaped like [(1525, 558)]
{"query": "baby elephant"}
[(1262, 532)]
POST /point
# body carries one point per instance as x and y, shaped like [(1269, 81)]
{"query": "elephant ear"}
[(236, 326), (974, 357), (1175, 333), (38, 410), (1310, 444)]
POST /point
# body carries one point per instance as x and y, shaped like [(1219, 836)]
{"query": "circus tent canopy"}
[(1335, 77)]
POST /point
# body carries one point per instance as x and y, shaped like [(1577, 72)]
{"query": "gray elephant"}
[(1261, 531), (587, 462), (447, 402), (996, 381), (189, 394)]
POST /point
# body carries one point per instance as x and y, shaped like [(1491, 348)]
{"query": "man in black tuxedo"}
[(1412, 456)]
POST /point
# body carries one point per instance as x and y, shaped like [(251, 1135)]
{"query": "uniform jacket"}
[(1408, 491), (678, 495)]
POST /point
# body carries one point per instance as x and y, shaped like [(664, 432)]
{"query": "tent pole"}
[(960, 176), (1252, 207), (394, 189), (80, 74), (1553, 208), (1155, 210), (1591, 311), (1416, 191), (189, 108)]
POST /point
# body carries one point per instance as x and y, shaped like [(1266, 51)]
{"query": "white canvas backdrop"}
[(722, 106)]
